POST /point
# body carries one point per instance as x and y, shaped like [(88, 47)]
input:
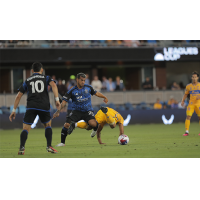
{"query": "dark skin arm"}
[(99, 94), (99, 133)]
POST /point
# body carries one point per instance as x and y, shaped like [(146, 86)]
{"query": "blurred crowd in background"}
[(94, 43)]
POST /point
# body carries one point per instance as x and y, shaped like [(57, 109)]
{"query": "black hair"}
[(36, 66), (80, 75), (195, 72)]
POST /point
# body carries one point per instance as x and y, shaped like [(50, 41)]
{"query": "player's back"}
[(37, 91)]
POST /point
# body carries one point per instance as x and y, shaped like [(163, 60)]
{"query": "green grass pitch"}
[(146, 141)]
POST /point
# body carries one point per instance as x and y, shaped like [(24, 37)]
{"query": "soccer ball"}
[(123, 139)]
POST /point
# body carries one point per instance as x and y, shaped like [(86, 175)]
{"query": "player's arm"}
[(57, 113), (99, 133), (16, 103), (99, 94), (121, 129), (55, 91), (185, 96)]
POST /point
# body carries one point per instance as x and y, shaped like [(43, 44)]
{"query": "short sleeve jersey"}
[(36, 87), (102, 119), (81, 98), (194, 91)]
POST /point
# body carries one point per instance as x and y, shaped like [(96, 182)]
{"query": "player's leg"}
[(23, 138), (197, 110), (189, 113), (90, 119), (45, 118), (67, 130), (27, 122), (110, 119)]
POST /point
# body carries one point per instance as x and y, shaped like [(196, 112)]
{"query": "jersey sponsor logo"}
[(81, 100)]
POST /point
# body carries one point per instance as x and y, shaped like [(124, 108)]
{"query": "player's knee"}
[(66, 125), (112, 126), (47, 124), (188, 117), (92, 123)]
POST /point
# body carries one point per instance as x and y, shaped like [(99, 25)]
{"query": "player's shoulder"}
[(189, 85), (72, 89), (87, 85)]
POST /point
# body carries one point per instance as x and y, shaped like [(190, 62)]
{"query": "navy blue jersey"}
[(81, 98), (37, 91)]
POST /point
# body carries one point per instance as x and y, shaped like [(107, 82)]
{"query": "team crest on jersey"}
[(86, 91), (197, 87)]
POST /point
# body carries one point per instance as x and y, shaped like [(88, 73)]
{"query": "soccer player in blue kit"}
[(81, 107)]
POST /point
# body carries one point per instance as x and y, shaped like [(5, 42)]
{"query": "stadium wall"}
[(137, 117)]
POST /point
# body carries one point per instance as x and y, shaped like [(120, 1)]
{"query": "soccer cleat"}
[(51, 149), (60, 145), (21, 151), (93, 133), (104, 109), (71, 128), (199, 133), (186, 134)]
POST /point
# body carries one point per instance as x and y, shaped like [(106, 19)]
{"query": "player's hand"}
[(56, 114), (182, 103), (58, 105), (105, 100), (12, 116)]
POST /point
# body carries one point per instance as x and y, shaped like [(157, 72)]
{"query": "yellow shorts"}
[(191, 108)]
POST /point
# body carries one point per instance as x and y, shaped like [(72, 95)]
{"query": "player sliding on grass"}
[(104, 116), (194, 104), (81, 106), (37, 104)]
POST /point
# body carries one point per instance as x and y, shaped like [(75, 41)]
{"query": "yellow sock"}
[(82, 125), (110, 119), (187, 125)]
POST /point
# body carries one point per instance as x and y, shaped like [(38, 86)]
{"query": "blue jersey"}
[(81, 98)]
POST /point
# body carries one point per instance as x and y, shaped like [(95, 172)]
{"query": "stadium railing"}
[(117, 98), (112, 44)]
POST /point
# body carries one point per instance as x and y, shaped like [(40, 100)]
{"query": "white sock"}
[(187, 131)]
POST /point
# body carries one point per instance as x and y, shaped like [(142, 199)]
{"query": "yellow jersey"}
[(194, 91), (102, 119), (157, 106)]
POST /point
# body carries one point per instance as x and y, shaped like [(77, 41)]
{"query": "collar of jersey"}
[(36, 73), (78, 88)]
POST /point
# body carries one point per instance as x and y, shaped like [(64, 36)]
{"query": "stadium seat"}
[(1, 111), (11, 108), (128, 106), (121, 107), (112, 105), (96, 108), (5, 110), (22, 109)]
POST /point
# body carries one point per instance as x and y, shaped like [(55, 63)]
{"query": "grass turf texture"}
[(146, 141)]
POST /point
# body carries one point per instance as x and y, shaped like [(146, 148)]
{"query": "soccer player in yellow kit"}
[(194, 104), (104, 116)]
